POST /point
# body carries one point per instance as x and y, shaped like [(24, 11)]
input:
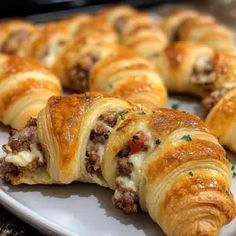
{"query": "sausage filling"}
[(211, 100), (23, 152), (79, 74), (130, 160), (203, 73), (97, 140)]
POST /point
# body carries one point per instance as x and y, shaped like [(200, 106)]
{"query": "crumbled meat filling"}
[(11, 44), (79, 74), (203, 72), (22, 140), (126, 198), (211, 100), (97, 139)]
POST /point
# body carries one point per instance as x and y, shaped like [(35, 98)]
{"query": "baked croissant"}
[(46, 43), (92, 63), (52, 38), (13, 33), (136, 30), (195, 69), (188, 25), (25, 86), (163, 161), (222, 101), (187, 68)]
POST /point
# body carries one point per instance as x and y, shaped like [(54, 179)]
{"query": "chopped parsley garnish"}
[(234, 175), (158, 141), (87, 97), (175, 106), (135, 138), (123, 113), (190, 173), (119, 128), (232, 167), (187, 138)]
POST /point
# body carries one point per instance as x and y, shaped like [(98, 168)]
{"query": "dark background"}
[(28, 7)]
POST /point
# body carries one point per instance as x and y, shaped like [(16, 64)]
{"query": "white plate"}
[(85, 209)]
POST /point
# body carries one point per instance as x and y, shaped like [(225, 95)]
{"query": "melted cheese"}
[(137, 162), (22, 158)]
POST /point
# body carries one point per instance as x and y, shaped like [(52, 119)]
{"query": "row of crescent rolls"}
[(25, 86), (194, 26), (136, 30), (174, 169), (95, 62), (43, 41), (193, 68), (119, 71)]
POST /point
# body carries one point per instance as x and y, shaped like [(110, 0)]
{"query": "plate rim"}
[(24, 213)]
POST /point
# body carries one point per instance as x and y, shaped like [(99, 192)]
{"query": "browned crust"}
[(14, 65), (66, 115), (195, 185), (166, 121), (27, 87), (190, 151)]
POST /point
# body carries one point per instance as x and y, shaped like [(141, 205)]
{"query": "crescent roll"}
[(92, 63), (222, 101), (46, 43), (193, 26), (136, 30), (126, 75), (25, 86), (162, 161), (173, 23), (13, 33), (213, 34), (187, 67)]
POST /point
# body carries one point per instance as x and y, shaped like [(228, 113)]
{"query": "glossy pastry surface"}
[(162, 161)]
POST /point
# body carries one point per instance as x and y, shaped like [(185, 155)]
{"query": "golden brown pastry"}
[(25, 86), (172, 23), (51, 39), (46, 43), (193, 26), (136, 30), (164, 162), (92, 63), (75, 22), (187, 67), (126, 75), (222, 101), (213, 34), (193, 68), (13, 33), (74, 65)]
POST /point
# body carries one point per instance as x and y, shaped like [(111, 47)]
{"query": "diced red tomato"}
[(137, 146)]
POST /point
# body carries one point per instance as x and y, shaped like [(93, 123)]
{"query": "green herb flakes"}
[(135, 138), (158, 141), (175, 106), (190, 173), (87, 97), (187, 138), (123, 113)]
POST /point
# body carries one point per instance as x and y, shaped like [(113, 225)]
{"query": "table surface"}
[(12, 226)]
